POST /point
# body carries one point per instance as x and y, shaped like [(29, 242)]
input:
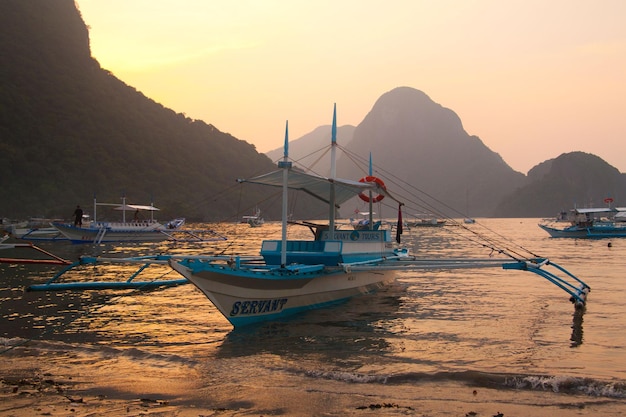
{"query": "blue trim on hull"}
[(243, 321), (592, 232), (271, 293)]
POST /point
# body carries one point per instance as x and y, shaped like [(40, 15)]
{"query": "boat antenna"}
[(285, 164), (333, 174), (94, 208)]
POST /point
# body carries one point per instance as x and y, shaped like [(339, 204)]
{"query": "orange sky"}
[(532, 78)]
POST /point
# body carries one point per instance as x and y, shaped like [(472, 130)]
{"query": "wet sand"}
[(30, 386)]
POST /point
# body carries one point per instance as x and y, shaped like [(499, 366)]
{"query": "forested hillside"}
[(574, 179), (70, 130)]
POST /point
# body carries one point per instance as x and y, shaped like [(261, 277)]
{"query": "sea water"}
[(437, 341)]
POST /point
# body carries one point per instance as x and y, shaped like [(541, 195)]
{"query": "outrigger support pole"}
[(56, 260), (578, 294), (143, 261)]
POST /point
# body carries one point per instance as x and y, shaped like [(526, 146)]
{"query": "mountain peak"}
[(417, 112)]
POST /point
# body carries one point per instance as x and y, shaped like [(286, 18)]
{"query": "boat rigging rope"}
[(494, 241)]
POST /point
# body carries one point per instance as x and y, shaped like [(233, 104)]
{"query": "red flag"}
[(399, 227)]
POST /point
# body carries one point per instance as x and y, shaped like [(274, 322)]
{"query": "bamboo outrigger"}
[(53, 284), (144, 262), (51, 259)]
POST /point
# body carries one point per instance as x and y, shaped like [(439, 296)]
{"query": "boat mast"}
[(333, 174), (371, 202), (151, 209), (124, 209), (285, 165)]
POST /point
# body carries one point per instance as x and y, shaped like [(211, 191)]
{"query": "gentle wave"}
[(557, 384), (569, 385), (8, 342)]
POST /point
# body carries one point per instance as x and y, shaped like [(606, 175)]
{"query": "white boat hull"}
[(111, 232), (248, 296), (592, 232), (565, 232), (44, 233)]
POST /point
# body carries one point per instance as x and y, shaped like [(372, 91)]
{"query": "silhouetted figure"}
[(78, 216)]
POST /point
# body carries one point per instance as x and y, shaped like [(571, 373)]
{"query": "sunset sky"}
[(532, 78)]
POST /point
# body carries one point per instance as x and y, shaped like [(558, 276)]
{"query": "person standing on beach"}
[(78, 216)]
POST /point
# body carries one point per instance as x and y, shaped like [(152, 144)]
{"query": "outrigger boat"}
[(35, 229), (426, 221), (363, 223), (589, 223), (148, 230), (38, 233), (291, 276), (255, 220)]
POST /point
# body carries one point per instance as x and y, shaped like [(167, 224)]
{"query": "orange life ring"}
[(608, 200), (380, 183)]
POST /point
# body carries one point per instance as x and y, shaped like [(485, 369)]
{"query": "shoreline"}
[(30, 386)]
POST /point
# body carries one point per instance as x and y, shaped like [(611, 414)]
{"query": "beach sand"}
[(32, 386)]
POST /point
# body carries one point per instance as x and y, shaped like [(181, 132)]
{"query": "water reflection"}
[(577, 327), (425, 321), (359, 326)]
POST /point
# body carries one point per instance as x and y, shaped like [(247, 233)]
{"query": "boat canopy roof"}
[(132, 207), (318, 186), (594, 210)]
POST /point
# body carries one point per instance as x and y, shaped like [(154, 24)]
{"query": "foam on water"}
[(571, 385), (556, 384)]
